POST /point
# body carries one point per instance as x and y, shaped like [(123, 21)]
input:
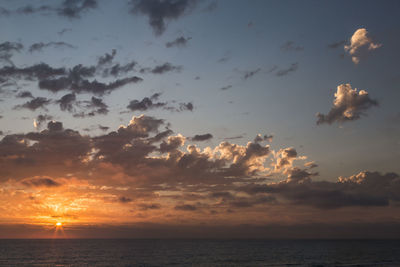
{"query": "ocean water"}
[(121, 252)]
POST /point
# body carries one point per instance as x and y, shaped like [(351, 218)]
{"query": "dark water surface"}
[(120, 252)]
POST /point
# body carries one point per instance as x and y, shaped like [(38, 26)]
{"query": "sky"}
[(199, 118)]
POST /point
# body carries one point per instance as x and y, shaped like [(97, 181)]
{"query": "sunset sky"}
[(199, 118)]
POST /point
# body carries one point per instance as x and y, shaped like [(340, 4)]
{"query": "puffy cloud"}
[(143, 163), (348, 105), (178, 42), (360, 43), (160, 11)]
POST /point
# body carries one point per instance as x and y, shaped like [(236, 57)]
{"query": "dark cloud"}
[(37, 102), (118, 69), (335, 45), (348, 105), (161, 69), (186, 106), (79, 85), (211, 6), (107, 58), (64, 31), (202, 137), (40, 181), (38, 71), (74, 8), (151, 206), (249, 74), (178, 42), (146, 103), (98, 105), (363, 189), (186, 207), (234, 137), (104, 128), (260, 138), (25, 94), (291, 46), (67, 101), (124, 199), (7, 49), (38, 47), (40, 120), (11, 46), (226, 87), (292, 68), (161, 11), (27, 10)]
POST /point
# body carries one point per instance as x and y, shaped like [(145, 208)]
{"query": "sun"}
[(59, 224)]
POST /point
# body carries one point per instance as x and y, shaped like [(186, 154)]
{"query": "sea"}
[(186, 252)]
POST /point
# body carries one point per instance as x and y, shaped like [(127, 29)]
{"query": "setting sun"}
[(58, 224)]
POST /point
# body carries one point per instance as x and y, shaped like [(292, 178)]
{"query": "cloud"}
[(67, 101), (226, 87), (348, 105), (40, 182), (25, 94), (146, 103), (249, 74), (40, 120), (363, 189), (291, 46), (335, 45), (161, 69), (260, 138), (282, 72), (37, 102), (202, 137), (186, 207), (7, 49), (161, 11), (107, 58), (37, 71), (143, 163), (186, 106), (178, 42), (74, 8), (360, 44), (124, 199), (64, 31), (38, 47)]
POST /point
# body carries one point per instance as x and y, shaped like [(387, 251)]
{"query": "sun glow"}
[(58, 224)]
